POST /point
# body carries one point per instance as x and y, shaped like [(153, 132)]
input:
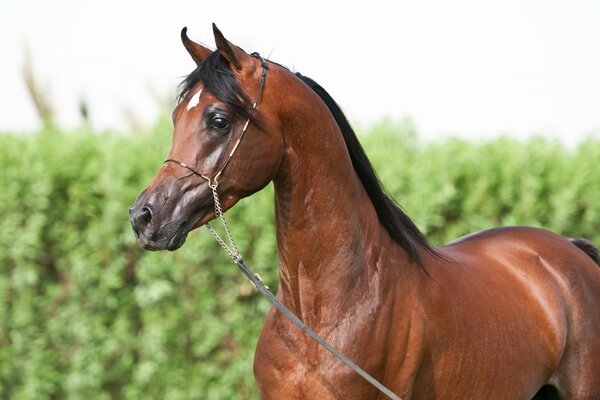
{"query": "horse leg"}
[(578, 375), (580, 383)]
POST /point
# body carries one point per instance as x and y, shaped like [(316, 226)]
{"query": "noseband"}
[(214, 181), (233, 252)]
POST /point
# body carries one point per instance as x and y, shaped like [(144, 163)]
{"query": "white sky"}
[(469, 68)]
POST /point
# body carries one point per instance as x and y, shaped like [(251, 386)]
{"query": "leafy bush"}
[(85, 314)]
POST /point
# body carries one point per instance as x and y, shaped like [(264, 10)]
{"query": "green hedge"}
[(85, 314)]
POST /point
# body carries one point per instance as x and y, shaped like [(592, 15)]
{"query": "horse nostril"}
[(145, 218)]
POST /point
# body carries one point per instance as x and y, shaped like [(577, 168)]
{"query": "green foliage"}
[(85, 314)]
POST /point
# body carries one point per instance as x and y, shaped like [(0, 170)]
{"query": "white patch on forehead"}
[(194, 100)]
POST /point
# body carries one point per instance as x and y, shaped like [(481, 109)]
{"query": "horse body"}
[(500, 320), (495, 315), (513, 300), (500, 298)]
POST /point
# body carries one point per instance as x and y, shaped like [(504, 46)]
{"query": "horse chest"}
[(289, 364)]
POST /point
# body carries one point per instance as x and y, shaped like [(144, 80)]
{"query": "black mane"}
[(216, 77), (400, 227)]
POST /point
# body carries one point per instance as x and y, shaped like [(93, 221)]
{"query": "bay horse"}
[(507, 313)]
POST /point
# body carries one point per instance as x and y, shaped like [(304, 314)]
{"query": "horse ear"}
[(198, 52), (236, 56)]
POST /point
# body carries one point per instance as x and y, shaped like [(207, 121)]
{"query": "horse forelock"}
[(216, 77)]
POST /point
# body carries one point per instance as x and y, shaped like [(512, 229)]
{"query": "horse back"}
[(532, 256)]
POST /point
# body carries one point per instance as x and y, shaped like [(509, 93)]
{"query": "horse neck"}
[(329, 237)]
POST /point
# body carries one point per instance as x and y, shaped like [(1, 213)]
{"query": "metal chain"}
[(230, 249)]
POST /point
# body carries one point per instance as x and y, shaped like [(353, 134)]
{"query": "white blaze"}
[(194, 100)]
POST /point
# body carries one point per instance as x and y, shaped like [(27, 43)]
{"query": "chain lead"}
[(230, 249)]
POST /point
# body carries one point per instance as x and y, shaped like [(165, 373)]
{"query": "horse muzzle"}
[(164, 214), (152, 232)]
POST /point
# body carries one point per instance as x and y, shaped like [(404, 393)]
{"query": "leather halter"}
[(214, 182)]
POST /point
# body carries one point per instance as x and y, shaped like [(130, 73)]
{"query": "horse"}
[(506, 313)]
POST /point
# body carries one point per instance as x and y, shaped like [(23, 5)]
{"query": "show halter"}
[(233, 252)]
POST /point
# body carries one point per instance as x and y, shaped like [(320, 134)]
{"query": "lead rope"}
[(234, 253)]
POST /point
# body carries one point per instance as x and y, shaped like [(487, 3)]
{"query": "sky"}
[(467, 68)]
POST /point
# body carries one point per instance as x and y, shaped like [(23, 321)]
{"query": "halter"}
[(213, 182), (232, 250)]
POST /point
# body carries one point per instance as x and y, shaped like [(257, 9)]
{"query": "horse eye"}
[(220, 123)]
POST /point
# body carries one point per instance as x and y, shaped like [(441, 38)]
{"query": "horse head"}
[(221, 101)]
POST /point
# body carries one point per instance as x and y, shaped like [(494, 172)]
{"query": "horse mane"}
[(400, 227), (216, 77)]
